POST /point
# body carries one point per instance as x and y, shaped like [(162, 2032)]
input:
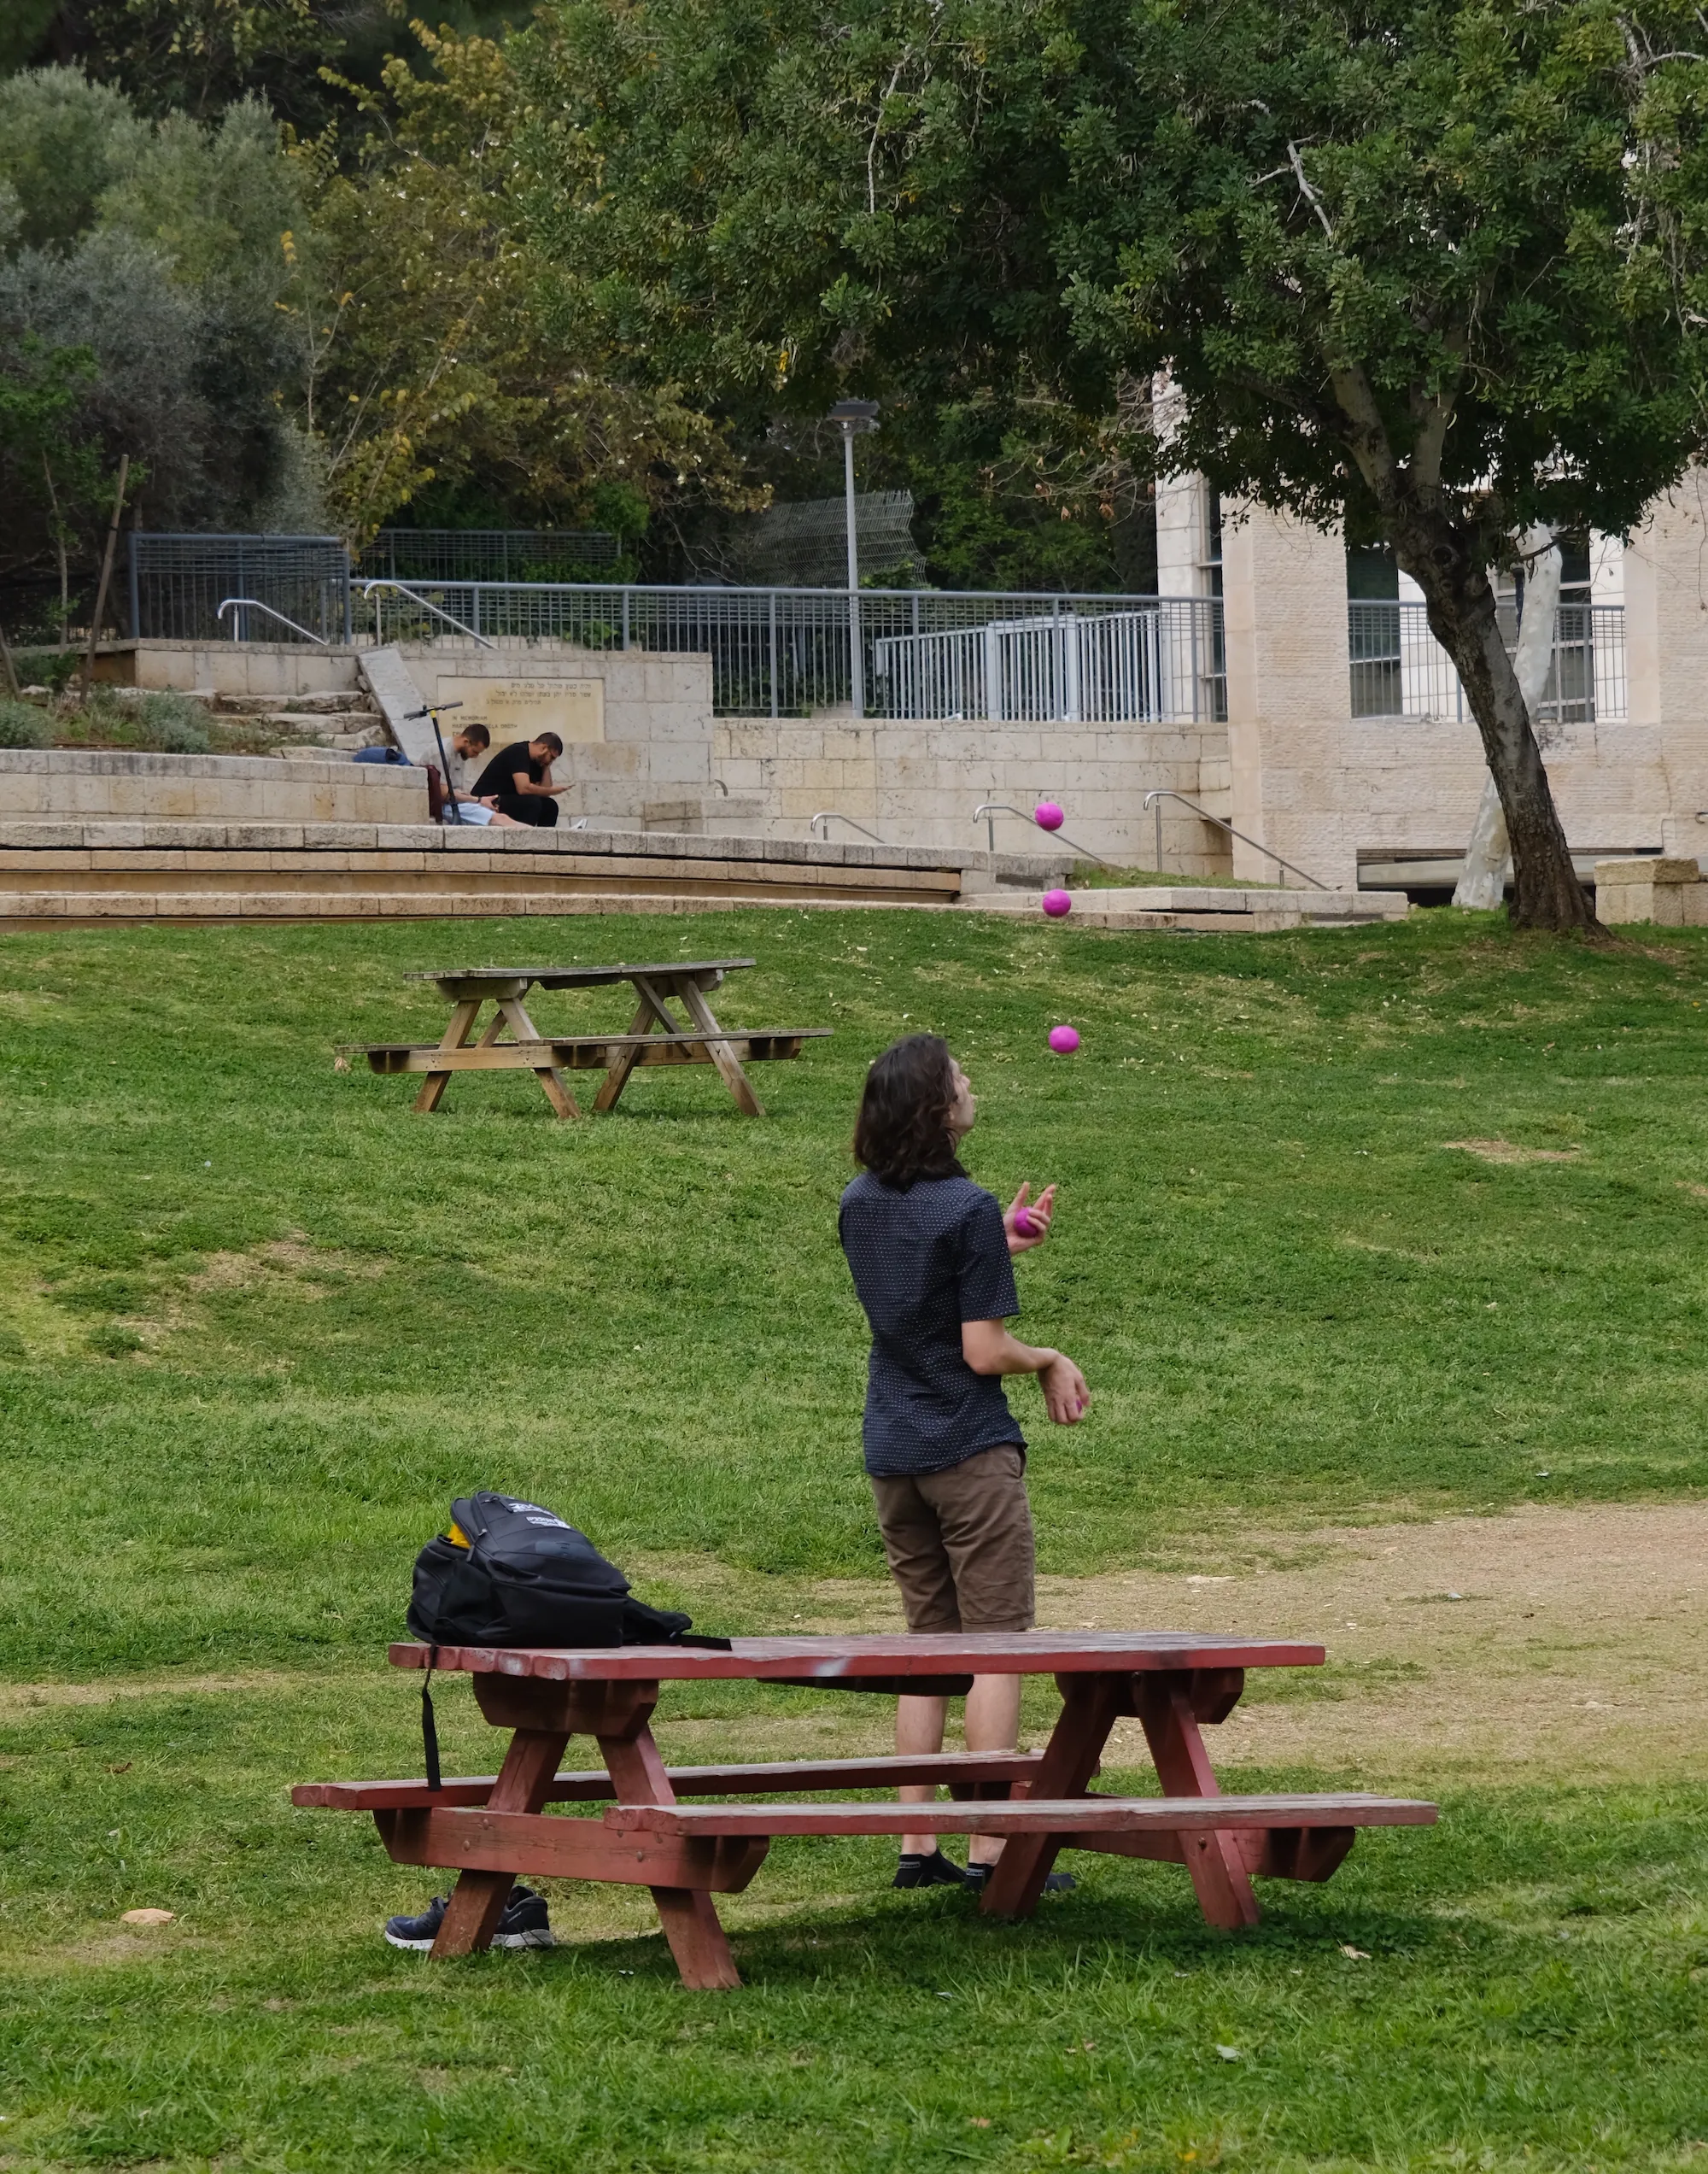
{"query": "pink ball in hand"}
[(1024, 1226), (1047, 815), (1057, 903), (1064, 1040)]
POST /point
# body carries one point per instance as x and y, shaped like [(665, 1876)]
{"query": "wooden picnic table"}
[(655, 1036), (494, 1828)]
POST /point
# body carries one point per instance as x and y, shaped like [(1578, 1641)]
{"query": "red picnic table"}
[(493, 1829)]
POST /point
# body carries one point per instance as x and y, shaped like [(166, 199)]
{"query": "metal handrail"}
[(827, 816), (1163, 793), (404, 589), (989, 809), (254, 604)]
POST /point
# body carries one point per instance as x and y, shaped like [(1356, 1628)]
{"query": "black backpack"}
[(510, 1572)]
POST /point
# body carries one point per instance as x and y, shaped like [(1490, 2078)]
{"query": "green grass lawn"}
[(259, 1323)]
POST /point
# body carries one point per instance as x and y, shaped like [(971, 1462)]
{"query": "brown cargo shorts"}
[(959, 1542)]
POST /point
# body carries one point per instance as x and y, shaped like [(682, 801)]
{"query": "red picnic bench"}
[(495, 1829)]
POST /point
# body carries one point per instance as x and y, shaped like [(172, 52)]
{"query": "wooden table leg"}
[(463, 1017), (688, 1914), (550, 1078), (648, 1013), (1215, 1861), (530, 1767), (692, 1000), (1090, 1707)]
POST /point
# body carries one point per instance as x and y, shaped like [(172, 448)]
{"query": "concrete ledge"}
[(1184, 906)]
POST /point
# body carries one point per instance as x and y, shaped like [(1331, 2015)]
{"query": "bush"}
[(53, 668), (171, 725), (23, 725)]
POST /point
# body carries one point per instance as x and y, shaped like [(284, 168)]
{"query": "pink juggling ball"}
[(1047, 816), (1057, 903), (1024, 1226), (1064, 1040)]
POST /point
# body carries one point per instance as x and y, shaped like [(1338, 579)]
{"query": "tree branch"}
[(1306, 191), (1366, 436)]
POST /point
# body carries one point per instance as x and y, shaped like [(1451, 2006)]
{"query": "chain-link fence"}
[(1399, 670), (278, 588), (804, 544), (925, 653), (489, 554)]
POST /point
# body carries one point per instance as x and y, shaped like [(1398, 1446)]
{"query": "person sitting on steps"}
[(517, 782), (469, 745)]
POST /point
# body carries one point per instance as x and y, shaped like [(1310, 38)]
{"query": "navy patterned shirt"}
[(923, 1262)]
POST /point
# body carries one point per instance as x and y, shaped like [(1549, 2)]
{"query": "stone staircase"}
[(310, 725)]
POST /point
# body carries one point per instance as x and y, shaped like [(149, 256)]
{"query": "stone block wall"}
[(42, 783), (658, 720), (918, 783), (269, 668)]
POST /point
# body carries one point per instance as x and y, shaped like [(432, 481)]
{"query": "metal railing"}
[(988, 810), (179, 581), (827, 816), (1399, 670), (926, 653), (419, 602), (244, 605), (1164, 792)]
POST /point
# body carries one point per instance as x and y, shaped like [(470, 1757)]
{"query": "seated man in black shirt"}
[(518, 780)]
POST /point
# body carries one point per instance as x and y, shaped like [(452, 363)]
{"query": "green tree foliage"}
[(439, 361), (199, 57), (193, 57), (1434, 266), (64, 141), (157, 256)]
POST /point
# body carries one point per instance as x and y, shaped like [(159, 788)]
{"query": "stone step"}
[(1207, 907), (359, 720), (74, 905), (320, 704)]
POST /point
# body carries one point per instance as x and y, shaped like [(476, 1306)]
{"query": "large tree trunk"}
[(1461, 600), (1487, 855)]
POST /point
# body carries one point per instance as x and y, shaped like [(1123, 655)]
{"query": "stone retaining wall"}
[(105, 785)]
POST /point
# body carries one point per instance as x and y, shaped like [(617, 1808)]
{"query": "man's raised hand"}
[(1028, 1225)]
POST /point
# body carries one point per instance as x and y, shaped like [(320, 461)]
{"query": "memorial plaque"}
[(519, 709)]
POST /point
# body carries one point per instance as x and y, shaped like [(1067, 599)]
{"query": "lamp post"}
[(854, 418)]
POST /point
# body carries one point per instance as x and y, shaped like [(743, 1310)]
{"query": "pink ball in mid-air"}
[(1047, 816), (1064, 1040), (1024, 1226), (1056, 903)]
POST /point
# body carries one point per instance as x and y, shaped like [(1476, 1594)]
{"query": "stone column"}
[(1289, 697), (1666, 656)]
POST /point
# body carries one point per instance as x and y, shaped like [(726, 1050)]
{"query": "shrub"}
[(23, 725), (171, 725), (52, 668)]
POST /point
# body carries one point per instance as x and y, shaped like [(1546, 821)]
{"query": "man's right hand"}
[(1065, 1397)]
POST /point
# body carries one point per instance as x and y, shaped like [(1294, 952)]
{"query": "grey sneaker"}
[(524, 1925)]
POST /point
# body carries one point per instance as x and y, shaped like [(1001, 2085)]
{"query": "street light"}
[(854, 418)]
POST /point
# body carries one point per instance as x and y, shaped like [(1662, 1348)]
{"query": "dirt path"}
[(1562, 1644)]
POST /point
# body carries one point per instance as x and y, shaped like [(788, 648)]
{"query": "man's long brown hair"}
[(902, 1133)]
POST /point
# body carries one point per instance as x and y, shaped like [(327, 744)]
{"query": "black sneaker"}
[(524, 1922), (978, 1878), (524, 1925), (935, 1871)]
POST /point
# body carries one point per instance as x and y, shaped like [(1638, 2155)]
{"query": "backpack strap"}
[(430, 1732)]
